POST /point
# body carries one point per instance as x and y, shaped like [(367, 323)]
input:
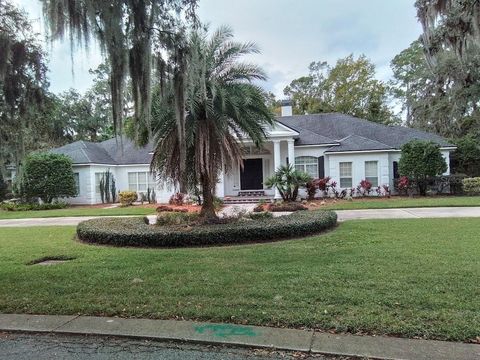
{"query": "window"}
[(345, 174), (308, 164), (371, 172), (140, 181), (76, 177)]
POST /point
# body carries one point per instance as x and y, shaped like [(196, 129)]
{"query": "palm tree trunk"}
[(179, 84), (208, 209)]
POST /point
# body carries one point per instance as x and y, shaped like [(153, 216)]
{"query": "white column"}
[(276, 162), (291, 152)]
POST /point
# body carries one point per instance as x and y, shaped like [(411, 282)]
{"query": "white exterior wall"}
[(358, 166), (85, 195)]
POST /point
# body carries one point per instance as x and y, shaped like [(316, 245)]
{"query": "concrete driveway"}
[(406, 213)]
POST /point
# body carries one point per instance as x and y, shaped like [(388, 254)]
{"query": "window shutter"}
[(321, 167), (396, 175)]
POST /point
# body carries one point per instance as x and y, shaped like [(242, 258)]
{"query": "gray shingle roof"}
[(109, 152), (335, 127), (350, 133), (358, 143)]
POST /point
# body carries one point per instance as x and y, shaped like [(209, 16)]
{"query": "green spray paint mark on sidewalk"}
[(225, 330)]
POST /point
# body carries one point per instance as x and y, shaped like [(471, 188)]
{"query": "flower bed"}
[(137, 232)]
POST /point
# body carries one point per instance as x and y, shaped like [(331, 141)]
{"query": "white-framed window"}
[(345, 174), (140, 181), (371, 172), (76, 177), (307, 164)]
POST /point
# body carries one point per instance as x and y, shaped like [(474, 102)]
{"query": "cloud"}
[(290, 33)]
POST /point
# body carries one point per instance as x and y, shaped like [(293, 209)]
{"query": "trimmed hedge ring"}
[(137, 232)]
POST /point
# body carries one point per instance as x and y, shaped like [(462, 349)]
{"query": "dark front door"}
[(251, 177)]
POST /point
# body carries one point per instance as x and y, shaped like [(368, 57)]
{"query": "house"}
[(346, 148)]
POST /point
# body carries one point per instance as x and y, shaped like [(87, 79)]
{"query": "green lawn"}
[(416, 277), (370, 203), (77, 211), (403, 202)]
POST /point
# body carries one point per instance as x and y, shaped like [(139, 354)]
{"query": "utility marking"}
[(225, 330)]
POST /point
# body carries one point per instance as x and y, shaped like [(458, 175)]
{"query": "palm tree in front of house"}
[(223, 106)]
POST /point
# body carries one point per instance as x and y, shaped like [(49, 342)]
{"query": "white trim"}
[(318, 145), (376, 151), (296, 133), (360, 151), (109, 165)]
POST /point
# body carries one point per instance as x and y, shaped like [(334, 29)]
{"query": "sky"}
[(290, 34)]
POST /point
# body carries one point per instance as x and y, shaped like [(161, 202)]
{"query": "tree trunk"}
[(179, 89), (208, 209)]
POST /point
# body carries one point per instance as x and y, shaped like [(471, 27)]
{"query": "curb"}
[(377, 347)]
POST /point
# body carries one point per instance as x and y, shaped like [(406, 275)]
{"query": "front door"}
[(251, 177)]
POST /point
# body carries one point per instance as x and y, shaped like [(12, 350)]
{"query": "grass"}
[(364, 203), (403, 202), (412, 278), (78, 211)]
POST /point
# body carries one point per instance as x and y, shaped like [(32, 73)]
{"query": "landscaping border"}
[(136, 231)]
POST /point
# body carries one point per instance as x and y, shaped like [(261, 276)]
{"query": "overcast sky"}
[(290, 34)]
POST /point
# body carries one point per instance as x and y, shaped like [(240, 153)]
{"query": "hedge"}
[(471, 186), (137, 232)]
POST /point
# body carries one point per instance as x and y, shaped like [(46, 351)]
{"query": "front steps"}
[(248, 197)]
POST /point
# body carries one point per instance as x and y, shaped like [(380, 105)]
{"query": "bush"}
[(288, 180), (177, 218), (261, 215), (421, 160), (127, 198), (10, 206), (48, 176), (471, 186), (3, 188), (136, 232), (167, 208), (177, 199), (287, 206)]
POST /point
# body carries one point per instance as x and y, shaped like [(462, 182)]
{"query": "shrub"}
[(166, 218), (471, 186), (421, 160), (166, 208), (290, 206), (288, 180), (262, 215), (47, 176), (259, 208), (10, 206), (127, 198), (364, 187), (136, 232), (177, 199), (217, 203)]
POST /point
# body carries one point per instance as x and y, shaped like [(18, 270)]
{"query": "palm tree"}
[(288, 180), (222, 108)]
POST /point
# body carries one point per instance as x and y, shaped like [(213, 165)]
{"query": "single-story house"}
[(346, 148)]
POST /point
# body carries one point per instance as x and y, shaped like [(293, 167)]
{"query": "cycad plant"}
[(223, 107), (288, 180)]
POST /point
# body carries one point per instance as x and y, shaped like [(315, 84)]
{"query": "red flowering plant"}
[(364, 188)]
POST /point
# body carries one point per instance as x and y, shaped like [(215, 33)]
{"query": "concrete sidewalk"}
[(409, 213), (406, 213), (378, 347)]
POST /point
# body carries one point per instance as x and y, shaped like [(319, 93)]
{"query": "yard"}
[(412, 278), (357, 203)]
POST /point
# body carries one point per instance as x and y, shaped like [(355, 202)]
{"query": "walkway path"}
[(406, 213), (309, 341)]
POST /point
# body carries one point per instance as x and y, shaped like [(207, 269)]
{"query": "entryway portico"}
[(260, 163)]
